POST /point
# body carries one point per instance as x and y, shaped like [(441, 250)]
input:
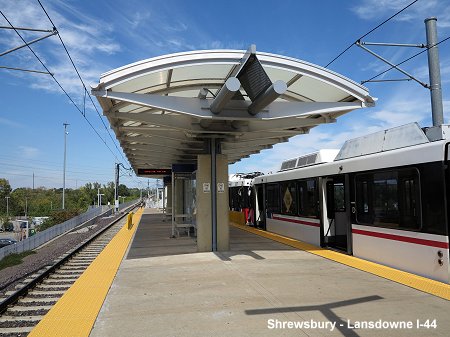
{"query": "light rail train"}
[(383, 197)]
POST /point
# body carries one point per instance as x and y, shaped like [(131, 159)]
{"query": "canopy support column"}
[(212, 200)]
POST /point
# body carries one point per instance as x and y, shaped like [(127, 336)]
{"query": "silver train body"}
[(383, 198)]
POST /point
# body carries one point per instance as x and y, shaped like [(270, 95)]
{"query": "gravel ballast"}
[(46, 255)]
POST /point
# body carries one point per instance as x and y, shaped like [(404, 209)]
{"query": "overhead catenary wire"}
[(370, 31), (58, 83), (37, 168), (81, 79)]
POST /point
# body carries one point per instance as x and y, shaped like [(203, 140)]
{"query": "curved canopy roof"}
[(164, 109)]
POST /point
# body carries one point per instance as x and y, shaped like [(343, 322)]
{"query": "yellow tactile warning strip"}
[(76, 311), (414, 281)]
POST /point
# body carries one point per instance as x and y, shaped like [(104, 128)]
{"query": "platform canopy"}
[(164, 110)]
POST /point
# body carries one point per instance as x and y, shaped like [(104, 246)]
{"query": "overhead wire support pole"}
[(437, 108), (64, 173), (358, 43), (116, 186)]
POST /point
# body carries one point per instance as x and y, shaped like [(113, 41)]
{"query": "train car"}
[(241, 194), (383, 197)]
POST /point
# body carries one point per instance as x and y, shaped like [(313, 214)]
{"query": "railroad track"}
[(34, 296)]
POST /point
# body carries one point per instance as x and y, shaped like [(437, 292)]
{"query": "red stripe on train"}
[(301, 222), (394, 237)]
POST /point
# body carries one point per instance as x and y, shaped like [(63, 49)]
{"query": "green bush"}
[(58, 217), (14, 259)]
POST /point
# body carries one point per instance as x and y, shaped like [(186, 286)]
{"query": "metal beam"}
[(154, 142), (159, 155), (271, 94), (421, 45), (27, 70), (280, 125), (225, 94), (199, 108), (252, 150), (181, 122), (249, 144), (152, 151), (264, 135), (359, 44), (54, 32), (157, 133)]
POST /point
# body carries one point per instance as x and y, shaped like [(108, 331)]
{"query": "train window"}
[(339, 197), (389, 199), (308, 198), (273, 198), (364, 205), (288, 198)]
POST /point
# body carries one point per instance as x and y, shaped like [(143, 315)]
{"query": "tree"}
[(123, 190), (5, 191), (108, 191)]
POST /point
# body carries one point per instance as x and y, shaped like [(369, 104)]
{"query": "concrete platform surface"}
[(260, 288)]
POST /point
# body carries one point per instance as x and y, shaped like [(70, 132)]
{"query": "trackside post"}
[(130, 220)]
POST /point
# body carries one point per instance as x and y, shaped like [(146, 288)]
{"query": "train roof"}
[(400, 146), (319, 157), (242, 179)]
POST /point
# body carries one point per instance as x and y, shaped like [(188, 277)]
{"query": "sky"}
[(103, 35)]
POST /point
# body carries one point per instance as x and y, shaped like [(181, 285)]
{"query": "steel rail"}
[(23, 291)]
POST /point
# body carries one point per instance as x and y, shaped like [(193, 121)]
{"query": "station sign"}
[(155, 172)]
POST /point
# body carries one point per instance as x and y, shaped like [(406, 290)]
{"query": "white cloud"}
[(85, 37), (28, 152), (10, 123), (376, 9)]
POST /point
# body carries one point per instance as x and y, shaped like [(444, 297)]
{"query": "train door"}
[(339, 232), (260, 212)]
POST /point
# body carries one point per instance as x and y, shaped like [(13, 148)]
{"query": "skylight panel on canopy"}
[(317, 90), (204, 71), (142, 81)]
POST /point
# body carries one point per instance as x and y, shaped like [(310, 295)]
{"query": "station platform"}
[(260, 287)]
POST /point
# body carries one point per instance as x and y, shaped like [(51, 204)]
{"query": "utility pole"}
[(64, 173), (157, 193), (26, 207), (99, 198), (7, 208), (33, 181), (116, 187)]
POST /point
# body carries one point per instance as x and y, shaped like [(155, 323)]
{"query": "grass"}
[(14, 259)]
